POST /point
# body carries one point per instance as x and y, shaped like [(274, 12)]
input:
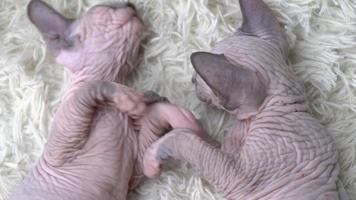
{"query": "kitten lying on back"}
[(276, 150), (102, 128)]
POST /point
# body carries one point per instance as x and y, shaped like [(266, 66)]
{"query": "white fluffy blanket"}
[(322, 36)]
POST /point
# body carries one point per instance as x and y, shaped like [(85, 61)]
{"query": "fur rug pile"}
[(322, 37)]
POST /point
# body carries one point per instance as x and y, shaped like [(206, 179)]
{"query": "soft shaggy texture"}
[(322, 37)]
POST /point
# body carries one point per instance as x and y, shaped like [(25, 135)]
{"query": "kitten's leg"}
[(220, 169), (159, 119), (162, 117), (74, 118)]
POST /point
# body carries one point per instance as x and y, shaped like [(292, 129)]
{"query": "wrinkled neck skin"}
[(80, 78), (112, 61), (286, 90), (118, 70), (280, 97)]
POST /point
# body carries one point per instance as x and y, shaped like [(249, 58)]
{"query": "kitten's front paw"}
[(155, 155), (151, 162)]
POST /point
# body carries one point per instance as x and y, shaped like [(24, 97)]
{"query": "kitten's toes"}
[(157, 153), (151, 162)]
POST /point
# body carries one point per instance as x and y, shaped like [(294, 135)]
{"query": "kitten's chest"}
[(111, 130), (106, 160), (111, 144)]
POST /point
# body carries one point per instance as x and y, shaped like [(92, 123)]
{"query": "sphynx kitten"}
[(276, 149), (102, 128)]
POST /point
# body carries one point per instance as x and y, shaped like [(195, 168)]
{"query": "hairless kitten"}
[(276, 149), (102, 128)]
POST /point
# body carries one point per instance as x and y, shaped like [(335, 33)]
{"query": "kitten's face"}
[(105, 37), (102, 43)]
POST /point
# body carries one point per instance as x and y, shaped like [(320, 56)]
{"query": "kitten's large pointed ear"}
[(51, 24), (259, 20), (237, 87)]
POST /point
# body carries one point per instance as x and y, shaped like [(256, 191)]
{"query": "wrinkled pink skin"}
[(276, 149), (102, 128)]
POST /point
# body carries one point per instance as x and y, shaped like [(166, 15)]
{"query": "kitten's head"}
[(103, 42), (223, 82)]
